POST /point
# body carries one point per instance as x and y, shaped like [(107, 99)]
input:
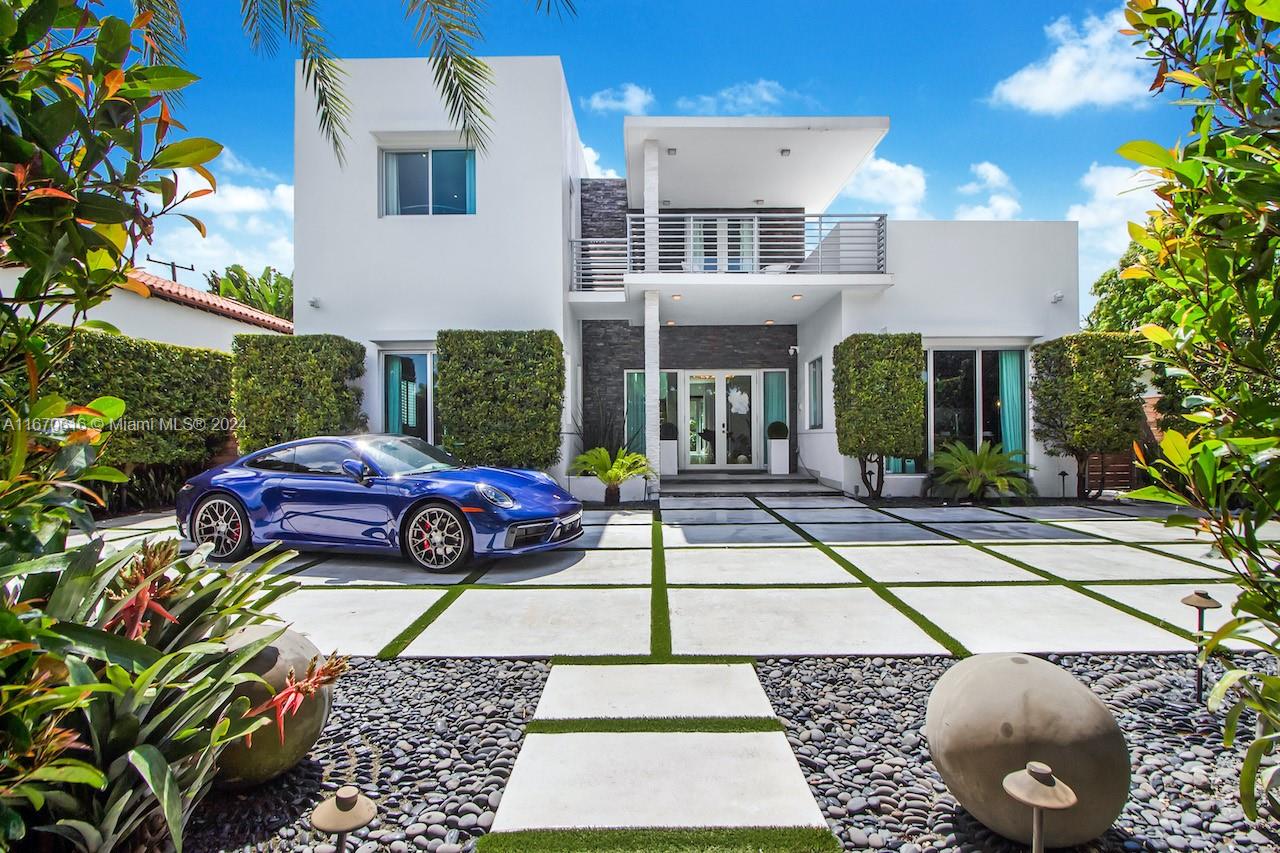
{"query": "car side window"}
[(325, 457), (281, 460)]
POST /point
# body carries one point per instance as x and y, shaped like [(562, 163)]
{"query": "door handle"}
[(288, 493)]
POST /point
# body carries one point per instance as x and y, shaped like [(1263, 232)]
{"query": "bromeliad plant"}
[(612, 471), (989, 472)]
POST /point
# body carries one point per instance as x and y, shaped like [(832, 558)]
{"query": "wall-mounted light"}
[(677, 297), (671, 322), (671, 152), (1056, 297), (796, 297), (785, 152), (768, 322), (314, 302)]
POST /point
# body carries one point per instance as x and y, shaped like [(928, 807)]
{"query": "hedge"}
[(880, 400), (501, 395), (177, 399), (294, 386), (1086, 394)]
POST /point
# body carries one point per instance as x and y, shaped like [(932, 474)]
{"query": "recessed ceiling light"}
[(759, 201), (677, 297), (797, 296), (671, 322), (671, 152), (768, 322), (785, 152)]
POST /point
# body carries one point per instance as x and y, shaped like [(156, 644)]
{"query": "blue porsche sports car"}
[(376, 494)]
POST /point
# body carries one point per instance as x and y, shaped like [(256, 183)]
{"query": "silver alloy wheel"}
[(218, 522), (436, 539)]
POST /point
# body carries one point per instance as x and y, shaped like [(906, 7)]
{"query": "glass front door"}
[(721, 423)]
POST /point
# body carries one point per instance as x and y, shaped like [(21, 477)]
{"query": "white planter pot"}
[(668, 460), (591, 490), (779, 456)]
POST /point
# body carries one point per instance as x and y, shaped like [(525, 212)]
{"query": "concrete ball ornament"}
[(990, 715)]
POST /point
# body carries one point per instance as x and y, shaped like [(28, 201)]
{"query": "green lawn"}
[(746, 840)]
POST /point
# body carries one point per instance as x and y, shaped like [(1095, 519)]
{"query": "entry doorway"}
[(724, 414)]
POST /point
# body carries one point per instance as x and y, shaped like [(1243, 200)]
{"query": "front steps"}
[(655, 747), (712, 484)]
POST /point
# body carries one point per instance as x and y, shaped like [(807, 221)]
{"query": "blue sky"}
[(998, 110)]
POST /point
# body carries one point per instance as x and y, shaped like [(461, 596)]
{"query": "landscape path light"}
[(1201, 600), (343, 813), (1037, 787)]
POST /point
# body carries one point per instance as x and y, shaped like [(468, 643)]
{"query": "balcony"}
[(716, 244)]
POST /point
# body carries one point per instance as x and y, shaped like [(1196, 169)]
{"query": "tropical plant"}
[(1124, 304), (879, 397), (448, 28), (1213, 243), (960, 472), (271, 292), (612, 471), (141, 633), (1086, 390)]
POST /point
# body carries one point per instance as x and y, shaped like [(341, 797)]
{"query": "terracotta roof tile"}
[(163, 288)]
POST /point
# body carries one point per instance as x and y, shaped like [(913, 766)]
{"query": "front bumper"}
[(530, 535)]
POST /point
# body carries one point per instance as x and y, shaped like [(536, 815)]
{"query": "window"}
[(323, 457), (440, 182), (979, 395), (954, 385), (815, 394), (410, 406), (281, 460), (406, 455), (633, 406)]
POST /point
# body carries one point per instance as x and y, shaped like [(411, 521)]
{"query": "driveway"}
[(779, 576)]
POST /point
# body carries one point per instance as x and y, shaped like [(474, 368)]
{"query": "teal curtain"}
[(393, 394), (471, 181), (635, 412), (893, 465), (1012, 402), (775, 402)]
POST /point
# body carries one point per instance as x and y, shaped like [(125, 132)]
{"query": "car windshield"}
[(406, 455)]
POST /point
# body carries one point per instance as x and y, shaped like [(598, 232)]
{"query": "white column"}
[(652, 443), (651, 205)]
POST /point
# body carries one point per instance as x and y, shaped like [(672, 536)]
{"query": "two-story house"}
[(698, 298)]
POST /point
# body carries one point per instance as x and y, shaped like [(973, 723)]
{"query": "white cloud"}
[(894, 188), (761, 96), (1001, 203), (1091, 65), (592, 156), (247, 224), (629, 98), (1117, 195)]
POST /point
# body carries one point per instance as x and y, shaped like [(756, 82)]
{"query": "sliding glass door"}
[(979, 395), (409, 395)]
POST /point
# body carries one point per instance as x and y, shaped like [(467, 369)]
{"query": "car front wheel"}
[(221, 522), (438, 538)]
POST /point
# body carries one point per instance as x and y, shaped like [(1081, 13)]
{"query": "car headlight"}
[(495, 496)]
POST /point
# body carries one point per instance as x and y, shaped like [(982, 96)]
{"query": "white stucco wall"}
[(394, 281), (960, 285)]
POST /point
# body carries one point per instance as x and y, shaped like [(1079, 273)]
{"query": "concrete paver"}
[(717, 516), (846, 534), (1104, 562), (353, 621), (653, 690), (712, 535), (574, 567), (907, 563), (753, 566)]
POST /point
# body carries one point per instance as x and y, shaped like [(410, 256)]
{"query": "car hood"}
[(519, 483)]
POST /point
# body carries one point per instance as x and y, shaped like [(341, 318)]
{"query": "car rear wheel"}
[(437, 538), (221, 521)]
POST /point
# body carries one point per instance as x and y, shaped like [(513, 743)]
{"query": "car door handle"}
[(288, 493)]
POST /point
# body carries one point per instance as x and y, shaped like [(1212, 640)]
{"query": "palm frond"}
[(165, 35), (261, 22), (559, 8), (450, 29)]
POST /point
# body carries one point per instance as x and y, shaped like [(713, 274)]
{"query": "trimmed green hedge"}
[(501, 395), (177, 399), (294, 386), (1087, 395), (879, 397)]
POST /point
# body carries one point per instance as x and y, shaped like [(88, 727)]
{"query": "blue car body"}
[(336, 511)]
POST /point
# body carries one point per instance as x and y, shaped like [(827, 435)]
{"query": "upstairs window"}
[(439, 182)]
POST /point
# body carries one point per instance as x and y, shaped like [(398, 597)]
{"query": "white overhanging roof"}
[(736, 161)]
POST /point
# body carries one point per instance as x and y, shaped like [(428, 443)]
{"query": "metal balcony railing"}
[(727, 244)]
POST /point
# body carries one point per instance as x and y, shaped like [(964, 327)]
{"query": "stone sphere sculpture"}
[(242, 765), (991, 714)]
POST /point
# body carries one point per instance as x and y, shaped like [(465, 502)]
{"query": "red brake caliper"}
[(425, 528)]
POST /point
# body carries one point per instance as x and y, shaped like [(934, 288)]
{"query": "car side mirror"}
[(356, 470)]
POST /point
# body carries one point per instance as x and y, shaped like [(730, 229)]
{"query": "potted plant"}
[(779, 448), (612, 471), (668, 458)]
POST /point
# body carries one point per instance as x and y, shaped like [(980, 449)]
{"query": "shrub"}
[(295, 386), (989, 471), (777, 430), (1086, 395), (879, 396), (612, 471), (501, 396)]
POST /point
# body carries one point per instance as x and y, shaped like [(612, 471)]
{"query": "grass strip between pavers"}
[(737, 840), (659, 607), (417, 626), (1075, 586), (922, 622), (717, 725)]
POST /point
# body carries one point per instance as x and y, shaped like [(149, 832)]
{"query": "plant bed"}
[(431, 741)]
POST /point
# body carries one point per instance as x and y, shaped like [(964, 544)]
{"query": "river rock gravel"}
[(857, 727), (431, 741)]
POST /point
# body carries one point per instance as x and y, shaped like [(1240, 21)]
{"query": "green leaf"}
[(1148, 154), (110, 408), (1266, 9), (34, 24), (77, 773), (100, 326), (159, 778), (114, 41), (1156, 493), (1175, 448), (194, 151), (140, 82), (103, 474)]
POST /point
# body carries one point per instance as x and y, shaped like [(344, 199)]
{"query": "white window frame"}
[(415, 149), (432, 355)]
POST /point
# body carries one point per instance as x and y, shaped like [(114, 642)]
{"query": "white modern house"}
[(698, 298)]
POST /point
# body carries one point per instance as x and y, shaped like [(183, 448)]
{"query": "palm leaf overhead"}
[(449, 29)]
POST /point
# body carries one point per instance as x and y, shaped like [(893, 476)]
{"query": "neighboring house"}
[(705, 290)]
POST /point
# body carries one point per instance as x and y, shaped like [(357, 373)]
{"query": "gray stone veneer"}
[(604, 207), (610, 347)]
